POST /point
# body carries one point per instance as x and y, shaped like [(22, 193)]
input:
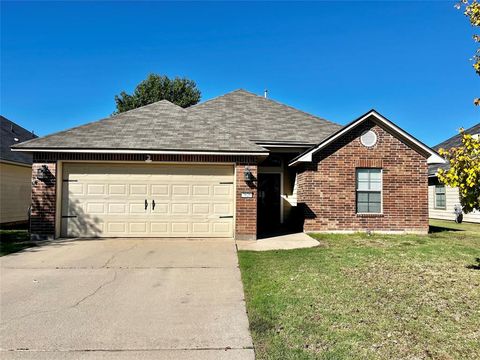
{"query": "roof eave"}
[(143, 151), (433, 158)]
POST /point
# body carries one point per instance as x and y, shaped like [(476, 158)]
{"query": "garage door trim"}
[(60, 172)]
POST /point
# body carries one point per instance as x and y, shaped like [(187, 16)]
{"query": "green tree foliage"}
[(472, 11), (180, 91), (464, 171)]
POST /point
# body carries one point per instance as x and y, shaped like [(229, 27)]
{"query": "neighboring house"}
[(239, 165), (15, 174), (442, 199)]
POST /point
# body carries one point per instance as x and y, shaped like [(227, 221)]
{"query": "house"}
[(442, 199), (15, 174), (239, 165)]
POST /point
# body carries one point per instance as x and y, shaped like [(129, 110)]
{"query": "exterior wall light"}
[(248, 176), (42, 173)]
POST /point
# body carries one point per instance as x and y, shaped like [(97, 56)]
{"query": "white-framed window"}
[(440, 197), (369, 191)]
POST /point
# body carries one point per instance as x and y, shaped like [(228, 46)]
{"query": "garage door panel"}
[(95, 208), (76, 189), (223, 209), (200, 209), (159, 228), (137, 208), (83, 228), (116, 208), (180, 190), (117, 189), (139, 189), (119, 228), (201, 228), (109, 200), (138, 227), (180, 228), (160, 190), (183, 209), (222, 228), (222, 190), (95, 189), (201, 190), (161, 208)]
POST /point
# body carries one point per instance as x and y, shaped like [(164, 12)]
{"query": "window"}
[(369, 191), (368, 138), (440, 198)]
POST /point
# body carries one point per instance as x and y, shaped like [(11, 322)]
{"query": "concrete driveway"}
[(124, 299)]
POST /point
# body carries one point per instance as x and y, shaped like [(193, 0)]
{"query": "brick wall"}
[(327, 187), (246, 219), (42, 218), (44, 193)]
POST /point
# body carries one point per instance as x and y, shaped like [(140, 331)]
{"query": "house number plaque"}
[(247, 195)]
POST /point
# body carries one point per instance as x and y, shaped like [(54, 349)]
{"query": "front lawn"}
[(13, 241), (368, 297)]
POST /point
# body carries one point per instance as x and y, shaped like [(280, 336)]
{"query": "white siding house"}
[(442, 199), (441, 204), (15, 174)]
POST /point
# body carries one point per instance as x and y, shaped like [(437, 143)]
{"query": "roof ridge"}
[(467, 131), (216, 98), (265, 99), (144, 106), (292, 108), (471, 127), (19, 126)]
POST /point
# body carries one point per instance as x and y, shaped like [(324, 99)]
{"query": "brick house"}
[(239, 165)]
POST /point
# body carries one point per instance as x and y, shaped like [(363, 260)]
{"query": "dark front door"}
[(268, 202)]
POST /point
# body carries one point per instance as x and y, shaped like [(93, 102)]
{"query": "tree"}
[(180, 91), (472, 11), (464, 171)]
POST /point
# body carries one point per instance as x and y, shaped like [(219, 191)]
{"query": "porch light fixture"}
[(148, 159), (248, 176), (42, 173)]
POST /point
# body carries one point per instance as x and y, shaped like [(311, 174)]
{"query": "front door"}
[(268, 202)]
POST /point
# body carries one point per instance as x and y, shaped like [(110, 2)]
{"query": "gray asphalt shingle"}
[(232, 122), (9, 132), (454, 141)]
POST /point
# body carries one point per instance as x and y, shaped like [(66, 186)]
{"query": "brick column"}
[(246, 207), (42, 219)]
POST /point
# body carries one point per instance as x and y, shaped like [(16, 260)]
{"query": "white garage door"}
[(136, 200)]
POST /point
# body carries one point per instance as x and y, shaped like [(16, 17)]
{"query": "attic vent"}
[(368, 138)]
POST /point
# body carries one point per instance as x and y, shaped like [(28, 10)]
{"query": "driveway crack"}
[(95, 291), (68, 307), (117, 253)]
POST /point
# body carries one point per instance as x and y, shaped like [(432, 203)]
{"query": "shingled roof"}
[(11, 134), (454, 141), (234, 122)]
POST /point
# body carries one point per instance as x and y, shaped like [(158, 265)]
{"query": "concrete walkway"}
[(124, 299), (282, 242)]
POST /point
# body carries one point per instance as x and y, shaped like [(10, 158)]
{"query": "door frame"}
[(59, 182)]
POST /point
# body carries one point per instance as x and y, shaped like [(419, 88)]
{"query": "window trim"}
[(357, 191), (435, 205)]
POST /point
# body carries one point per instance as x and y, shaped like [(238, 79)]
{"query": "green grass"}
[(13, 241), (368, 297)]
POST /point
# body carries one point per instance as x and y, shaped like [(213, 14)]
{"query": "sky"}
[(62, 63)]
